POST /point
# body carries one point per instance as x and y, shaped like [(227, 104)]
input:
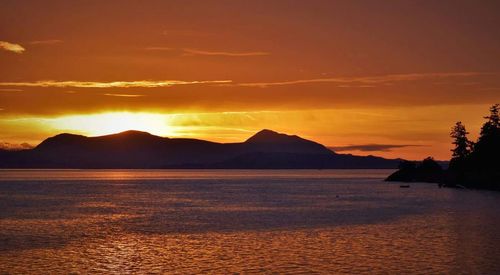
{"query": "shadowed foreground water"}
[(220, 221)]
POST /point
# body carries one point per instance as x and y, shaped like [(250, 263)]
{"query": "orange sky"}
[(366, 77)]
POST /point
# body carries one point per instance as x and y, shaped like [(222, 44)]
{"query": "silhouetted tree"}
[(406, 172), (489, 139), (462, 144), (427, 170), (484, 162), (429, 164), (473, 165), (492, 125), (408, 165)]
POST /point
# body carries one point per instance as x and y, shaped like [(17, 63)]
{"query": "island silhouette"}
[(140, 150), (473, 164)]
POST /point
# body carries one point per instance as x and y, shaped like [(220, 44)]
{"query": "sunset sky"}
[(386, 78)]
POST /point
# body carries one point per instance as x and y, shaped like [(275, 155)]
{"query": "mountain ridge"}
[(266, 149)]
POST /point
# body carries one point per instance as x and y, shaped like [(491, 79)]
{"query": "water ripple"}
[(266, 224)]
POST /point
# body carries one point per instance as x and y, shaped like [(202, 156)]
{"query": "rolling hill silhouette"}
[(133, 149)]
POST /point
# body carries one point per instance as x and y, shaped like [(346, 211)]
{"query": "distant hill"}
[(133, 149)]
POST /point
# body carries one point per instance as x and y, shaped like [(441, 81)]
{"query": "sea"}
[(242, 222)]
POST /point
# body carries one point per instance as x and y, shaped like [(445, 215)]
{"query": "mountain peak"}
[(61, 139), (131, 133), (270, 136)]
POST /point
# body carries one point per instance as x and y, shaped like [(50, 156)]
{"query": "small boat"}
[(404, 186)]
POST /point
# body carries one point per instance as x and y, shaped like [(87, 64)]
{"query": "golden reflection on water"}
[(266, 225), (382, 248)]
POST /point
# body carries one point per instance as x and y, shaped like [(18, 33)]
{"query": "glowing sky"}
[(386, 78)]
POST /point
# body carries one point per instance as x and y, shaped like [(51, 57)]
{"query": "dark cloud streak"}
[(372, 147)]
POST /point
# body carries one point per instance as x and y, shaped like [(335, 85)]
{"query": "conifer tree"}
[(461, 142), (492, 125)]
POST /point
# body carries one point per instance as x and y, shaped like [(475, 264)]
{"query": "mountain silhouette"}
[(134, 149)]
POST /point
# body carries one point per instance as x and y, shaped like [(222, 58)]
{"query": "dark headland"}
[(140, 150), (473, 164)]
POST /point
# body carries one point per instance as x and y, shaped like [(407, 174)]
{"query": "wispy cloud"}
[(114, 84), (371, 147), (123, 95), (356, 86), (193, 52), (367, 80), (46, 42), (189, 51), (11, 47)]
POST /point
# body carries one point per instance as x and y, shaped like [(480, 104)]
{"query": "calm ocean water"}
[(225, 221)]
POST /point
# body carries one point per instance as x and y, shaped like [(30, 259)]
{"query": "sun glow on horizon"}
[(407, 132), (114, 122)]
